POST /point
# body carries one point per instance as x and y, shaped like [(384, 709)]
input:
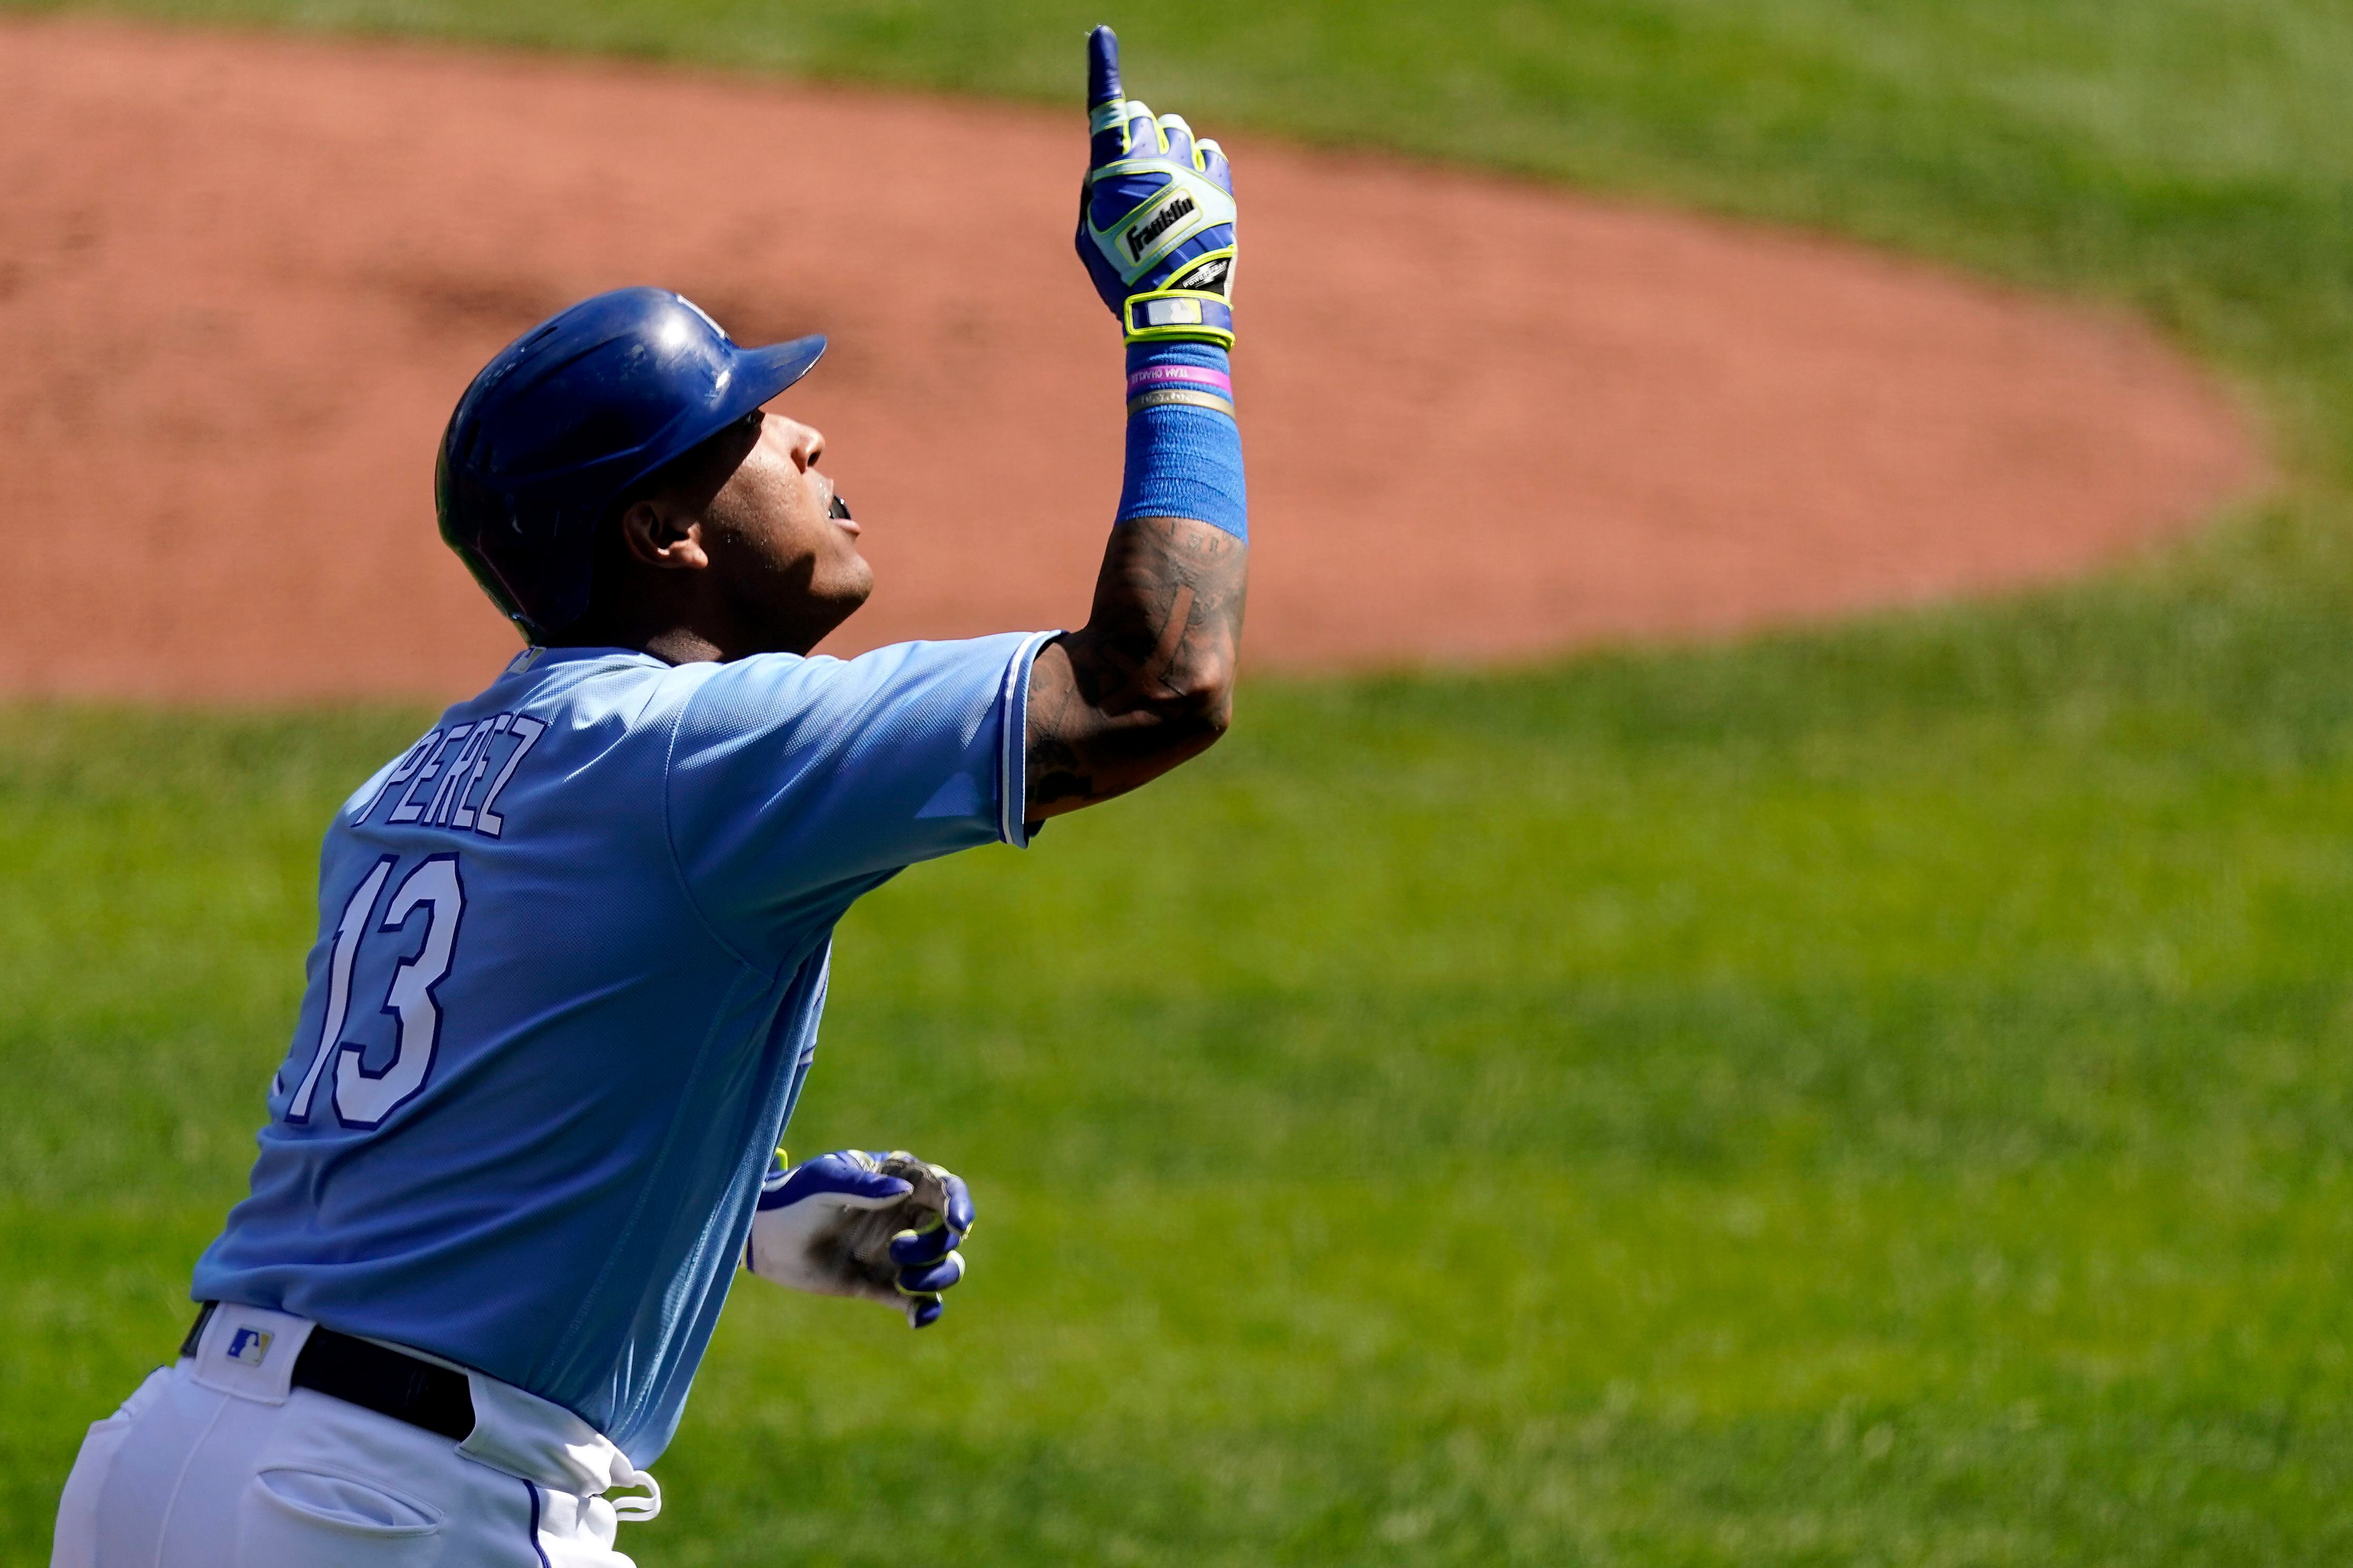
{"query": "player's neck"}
[(681, 645), (671, 645), (676, 640)]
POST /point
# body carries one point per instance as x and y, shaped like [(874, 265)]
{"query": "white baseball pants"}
[(217, 1462)]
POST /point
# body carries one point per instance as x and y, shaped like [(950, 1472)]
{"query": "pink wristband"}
[(1155, 386), (1160, 378)]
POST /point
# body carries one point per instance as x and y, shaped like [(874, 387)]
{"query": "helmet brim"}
[(760, 374)]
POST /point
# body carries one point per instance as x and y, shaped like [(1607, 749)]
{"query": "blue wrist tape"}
[(1184, 449)]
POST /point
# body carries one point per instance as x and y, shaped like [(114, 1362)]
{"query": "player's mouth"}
[(840, 511)]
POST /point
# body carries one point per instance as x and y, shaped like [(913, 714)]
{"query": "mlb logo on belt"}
[(248, 1346)]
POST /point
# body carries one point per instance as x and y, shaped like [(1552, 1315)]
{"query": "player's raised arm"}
[(1148, 681)]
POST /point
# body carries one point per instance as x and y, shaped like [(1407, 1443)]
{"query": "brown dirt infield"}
[(243, 279)]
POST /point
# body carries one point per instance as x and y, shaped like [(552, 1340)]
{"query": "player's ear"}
[(656, 532)]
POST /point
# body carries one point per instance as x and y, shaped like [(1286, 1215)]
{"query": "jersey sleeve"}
[(793, 784)]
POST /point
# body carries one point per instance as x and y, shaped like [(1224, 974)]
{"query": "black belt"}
[(362, 1373)]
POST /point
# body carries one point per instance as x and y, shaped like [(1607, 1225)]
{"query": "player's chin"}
[(852, 586), (833, 598)]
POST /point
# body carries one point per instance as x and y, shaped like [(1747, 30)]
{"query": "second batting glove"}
[(882, 1227)]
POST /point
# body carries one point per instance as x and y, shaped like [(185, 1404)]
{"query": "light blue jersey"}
[(572, 953)]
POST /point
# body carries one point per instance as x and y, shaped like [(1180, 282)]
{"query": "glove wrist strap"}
[(1178, 315)]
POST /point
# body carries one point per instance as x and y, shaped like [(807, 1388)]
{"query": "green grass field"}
[(1881, 1095)]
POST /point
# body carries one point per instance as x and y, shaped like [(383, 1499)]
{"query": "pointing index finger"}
[(1102, 68)]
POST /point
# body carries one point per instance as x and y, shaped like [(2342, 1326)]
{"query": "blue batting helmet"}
[(558, 427)]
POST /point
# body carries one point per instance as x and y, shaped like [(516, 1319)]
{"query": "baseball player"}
[(572, 943)]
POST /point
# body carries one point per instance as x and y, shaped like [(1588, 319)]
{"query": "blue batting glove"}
[(881, 1228), (1156, 215)]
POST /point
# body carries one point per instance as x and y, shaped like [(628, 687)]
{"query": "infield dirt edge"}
[(265, 265)]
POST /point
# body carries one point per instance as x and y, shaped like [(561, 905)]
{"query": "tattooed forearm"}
[(1148, 681)]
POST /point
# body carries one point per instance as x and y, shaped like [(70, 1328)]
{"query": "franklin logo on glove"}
[(1139, 238)]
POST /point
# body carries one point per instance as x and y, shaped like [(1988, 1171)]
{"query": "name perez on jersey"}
[(439, 782)]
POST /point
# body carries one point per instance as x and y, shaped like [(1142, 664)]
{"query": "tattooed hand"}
[(1150, 679)]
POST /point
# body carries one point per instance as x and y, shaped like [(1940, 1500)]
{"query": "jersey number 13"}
[(363, 1098)]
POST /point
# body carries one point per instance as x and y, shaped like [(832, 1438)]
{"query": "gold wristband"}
[(1181, 395)]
